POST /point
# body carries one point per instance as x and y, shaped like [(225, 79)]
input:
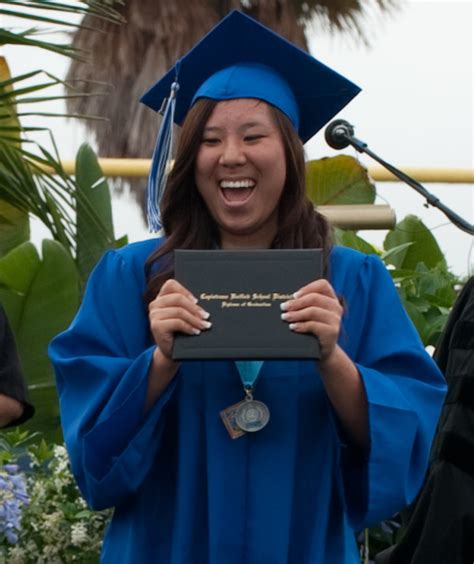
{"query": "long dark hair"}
[(187, 222)]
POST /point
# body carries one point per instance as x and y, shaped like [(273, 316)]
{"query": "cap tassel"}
[(161, 157)]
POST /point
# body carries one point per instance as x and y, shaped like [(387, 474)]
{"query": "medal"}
[(252, 415), (248, 415)]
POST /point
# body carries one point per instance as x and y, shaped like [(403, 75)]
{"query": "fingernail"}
[(196, 332), (284, 306), (284, 316), (206, 324), (205, 314), (292, 326), (195, 300), (296, 295)]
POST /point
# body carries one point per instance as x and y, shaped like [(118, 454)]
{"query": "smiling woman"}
[(241, 172), (143, 430)]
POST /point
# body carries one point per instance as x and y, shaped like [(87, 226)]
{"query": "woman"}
[(349, 436)]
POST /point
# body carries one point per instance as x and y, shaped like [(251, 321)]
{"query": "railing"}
[(140, 168), (345, 216)]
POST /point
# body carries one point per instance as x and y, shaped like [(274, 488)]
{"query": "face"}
[(240, 172)]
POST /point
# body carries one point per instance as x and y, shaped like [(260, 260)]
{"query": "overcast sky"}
[(416, 109)]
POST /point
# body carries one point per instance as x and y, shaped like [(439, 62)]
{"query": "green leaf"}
[(51, 301), (121, 242), (338, 180), (47, 419), (95, 232), (350, 239), (42, 298), (14, 227), (415, 312), (388, 256), (46, 196), (424, 247), (17, 271)]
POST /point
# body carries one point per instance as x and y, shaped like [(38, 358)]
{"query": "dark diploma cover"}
[(243, 290)]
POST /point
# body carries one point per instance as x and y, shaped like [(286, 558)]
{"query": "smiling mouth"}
[(237, 191)]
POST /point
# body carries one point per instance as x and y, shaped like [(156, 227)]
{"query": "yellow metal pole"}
[(428, 175), (140, 168)]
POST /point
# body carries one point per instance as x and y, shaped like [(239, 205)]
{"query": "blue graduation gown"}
[(295, 492)]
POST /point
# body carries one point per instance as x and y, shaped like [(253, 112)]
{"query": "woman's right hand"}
[(174, 310)]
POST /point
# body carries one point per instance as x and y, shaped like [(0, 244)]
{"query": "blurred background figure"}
[(14, 406)]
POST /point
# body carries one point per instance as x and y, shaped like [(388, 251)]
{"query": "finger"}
[(170, 313), (325, 333), (313, 299), (321, 286), (172, 286), (317, 314), (172, 326), (178, 300)]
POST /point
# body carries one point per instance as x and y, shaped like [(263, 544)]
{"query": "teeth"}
[(237, 184)]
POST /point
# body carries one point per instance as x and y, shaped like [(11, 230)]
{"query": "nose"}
[(232, 153)]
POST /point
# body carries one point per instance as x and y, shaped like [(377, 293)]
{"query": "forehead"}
[(241, 110)]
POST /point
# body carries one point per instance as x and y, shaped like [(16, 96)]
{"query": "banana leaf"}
[(420, 245), (40, 296), (338, 180), (14, 227), (95, 230)]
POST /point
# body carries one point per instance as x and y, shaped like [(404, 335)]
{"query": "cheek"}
[(278, 168), (276, 161), (199, 165), (202, 169)]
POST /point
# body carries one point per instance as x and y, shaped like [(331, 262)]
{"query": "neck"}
[(230, 241)]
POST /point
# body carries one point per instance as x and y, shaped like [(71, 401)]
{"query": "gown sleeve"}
[(405, 392), (101, 365)]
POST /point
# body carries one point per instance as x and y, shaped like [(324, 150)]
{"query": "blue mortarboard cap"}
[(319, 91), (251, 80), (241, 58)]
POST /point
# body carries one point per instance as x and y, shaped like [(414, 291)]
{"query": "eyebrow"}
[(244, 126)]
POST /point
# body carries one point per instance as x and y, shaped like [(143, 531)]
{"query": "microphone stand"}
[(432, 200)]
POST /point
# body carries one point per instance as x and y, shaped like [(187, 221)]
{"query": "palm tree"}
[(128, 58), (46, 196)]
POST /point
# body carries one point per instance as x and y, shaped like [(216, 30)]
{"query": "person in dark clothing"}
[(441, 524), (14, 406)]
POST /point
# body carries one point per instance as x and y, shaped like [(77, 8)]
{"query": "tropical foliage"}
[(410, 251), (40, 290), (43, 518)]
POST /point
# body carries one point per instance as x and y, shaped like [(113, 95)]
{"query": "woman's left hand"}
[(316, 309)]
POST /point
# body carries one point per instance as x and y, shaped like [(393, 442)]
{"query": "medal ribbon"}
[(249, 371)]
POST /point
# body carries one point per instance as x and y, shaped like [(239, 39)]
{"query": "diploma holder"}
[(243, 290)]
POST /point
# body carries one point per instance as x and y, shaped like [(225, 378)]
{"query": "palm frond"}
[(344, 16), (19, 97), (99, 9), (31, 11)]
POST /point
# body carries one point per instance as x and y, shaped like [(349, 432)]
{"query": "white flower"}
[(78, 534), (61, 461), (16, 555)]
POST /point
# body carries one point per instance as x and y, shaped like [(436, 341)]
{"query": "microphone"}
[(339, 134)]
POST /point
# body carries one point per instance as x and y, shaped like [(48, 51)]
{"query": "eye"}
[(254, 137), (210, 141)]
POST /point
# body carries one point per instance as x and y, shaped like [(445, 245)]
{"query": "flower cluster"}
[(55, 524), (13, 497)]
